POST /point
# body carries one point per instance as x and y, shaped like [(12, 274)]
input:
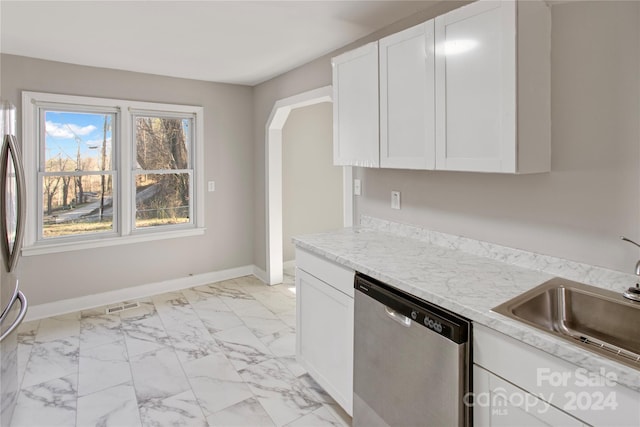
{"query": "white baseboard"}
[(87, 302), (260, 274)]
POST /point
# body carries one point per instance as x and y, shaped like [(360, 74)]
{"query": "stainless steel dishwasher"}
[(411, 360)]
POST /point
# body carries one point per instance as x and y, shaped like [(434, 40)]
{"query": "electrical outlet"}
[(395, 200), (211, 185), (357, 187)]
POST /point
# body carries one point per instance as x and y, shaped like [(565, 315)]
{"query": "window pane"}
[(162, 199), (77, 141), (162, 143), (74, 205)]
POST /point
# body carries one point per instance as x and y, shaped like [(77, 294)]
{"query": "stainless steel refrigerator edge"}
[(13, 304)]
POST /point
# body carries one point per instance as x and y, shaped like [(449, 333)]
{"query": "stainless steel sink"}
[(596, 319)]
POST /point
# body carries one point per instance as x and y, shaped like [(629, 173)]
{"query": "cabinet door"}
[(355, 107), (324, 336), (407, 98), (586, 395), (476, 88), (498, 403)]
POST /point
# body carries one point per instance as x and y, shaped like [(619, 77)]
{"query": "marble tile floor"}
[(215, 355)]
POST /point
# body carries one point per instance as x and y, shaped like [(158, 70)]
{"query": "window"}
[(163, 170), (75, 172), (104, 171)]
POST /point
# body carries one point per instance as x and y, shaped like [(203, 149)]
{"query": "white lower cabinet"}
[(324, 325), (515, 384), (498, 403)]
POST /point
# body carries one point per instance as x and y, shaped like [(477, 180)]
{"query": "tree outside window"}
[(163, 174)]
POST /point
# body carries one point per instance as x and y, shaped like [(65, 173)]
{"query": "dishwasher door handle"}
[(402, 319)]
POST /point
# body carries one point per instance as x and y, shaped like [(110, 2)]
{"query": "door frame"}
[(273, 211)]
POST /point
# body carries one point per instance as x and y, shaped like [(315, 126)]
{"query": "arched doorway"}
[(275, 123)]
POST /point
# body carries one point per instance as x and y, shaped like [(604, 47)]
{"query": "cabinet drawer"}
[(499, 403), (335, 275)]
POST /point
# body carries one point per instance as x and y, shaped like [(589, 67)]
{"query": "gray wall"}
[(311, 185), (228, 151), (315, 74), (591, 195)]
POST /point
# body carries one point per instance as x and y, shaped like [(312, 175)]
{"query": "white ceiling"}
[(244, 42)]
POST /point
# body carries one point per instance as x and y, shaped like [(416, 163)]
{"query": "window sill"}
[(52, 248)]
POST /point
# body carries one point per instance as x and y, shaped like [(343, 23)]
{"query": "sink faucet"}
[(633, 293)]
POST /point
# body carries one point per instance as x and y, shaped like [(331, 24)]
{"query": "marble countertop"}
[(466, 283)]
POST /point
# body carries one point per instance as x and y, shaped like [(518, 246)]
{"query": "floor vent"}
[(122, 307)]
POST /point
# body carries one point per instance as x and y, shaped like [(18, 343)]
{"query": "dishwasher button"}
[(433, 324), (414, 315)]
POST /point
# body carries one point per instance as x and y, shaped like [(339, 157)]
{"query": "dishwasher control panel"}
[(433, 317)]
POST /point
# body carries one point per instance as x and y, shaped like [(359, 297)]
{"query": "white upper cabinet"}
[(407, 98), (493, 109), (355, 107), (466, 91)]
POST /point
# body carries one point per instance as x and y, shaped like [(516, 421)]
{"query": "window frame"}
[(40, 147), (123, 167)]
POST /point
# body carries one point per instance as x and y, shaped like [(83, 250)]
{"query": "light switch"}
[(211, 185), (395, 200), (357, 187)]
